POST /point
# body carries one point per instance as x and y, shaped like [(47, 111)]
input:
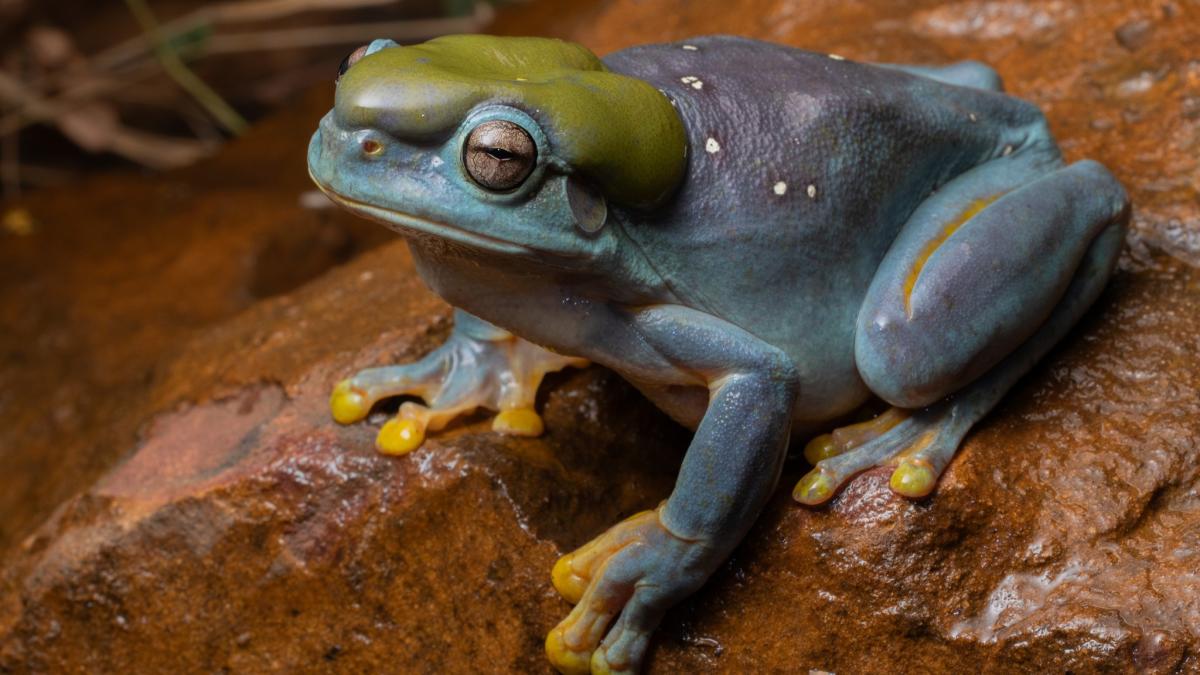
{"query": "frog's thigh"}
[(975, 271), (963, 74)]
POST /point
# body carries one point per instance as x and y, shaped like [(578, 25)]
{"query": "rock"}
[(242, 530), (1135, 34), (250, 533), (122, 271)]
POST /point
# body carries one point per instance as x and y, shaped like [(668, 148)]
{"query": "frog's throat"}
[(409, 222)]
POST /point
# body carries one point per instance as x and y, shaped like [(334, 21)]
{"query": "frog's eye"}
[(499, 155), (351, 59)]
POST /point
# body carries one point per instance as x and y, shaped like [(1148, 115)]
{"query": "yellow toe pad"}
[(565, 659), (913, 479), (821, 447), (568, 584), (814, 488), (518, 422), (348, 404), (400, 436)]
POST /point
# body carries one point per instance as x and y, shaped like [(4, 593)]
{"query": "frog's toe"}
[(817, 487), (625, 646), (400, 436), (584, 641), (518, 422), (849, 437), (353, 397), (574, 572), (919, 447), (347, 403), (919, 467), (913, 478), (570, 581), (621, 583), (406, 431), (567, 658), (571, 644)]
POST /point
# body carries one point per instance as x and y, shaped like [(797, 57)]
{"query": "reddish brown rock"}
[(244, 531)]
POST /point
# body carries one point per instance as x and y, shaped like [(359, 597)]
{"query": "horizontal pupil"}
[(499, 153)]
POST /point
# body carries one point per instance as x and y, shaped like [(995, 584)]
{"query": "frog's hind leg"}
[(479, 366), (965, 303)]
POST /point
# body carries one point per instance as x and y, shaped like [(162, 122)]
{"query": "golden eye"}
[(499, 155), (371, 147)]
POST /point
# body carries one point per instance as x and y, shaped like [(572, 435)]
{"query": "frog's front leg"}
[(479, 366), (624, 580)]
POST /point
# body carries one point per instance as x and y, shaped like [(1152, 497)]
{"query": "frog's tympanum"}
[(761, 239)]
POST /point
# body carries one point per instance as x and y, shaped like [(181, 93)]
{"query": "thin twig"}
[(209, 16), (31, 105), (175, 67), (31, 108)]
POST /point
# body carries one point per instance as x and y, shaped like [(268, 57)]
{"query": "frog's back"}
[(871, 141), (802, 168)]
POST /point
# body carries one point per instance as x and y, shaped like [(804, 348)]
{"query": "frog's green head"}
[(510, 145)]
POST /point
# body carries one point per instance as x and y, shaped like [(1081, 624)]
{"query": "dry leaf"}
[(92, 126), (159, 152)]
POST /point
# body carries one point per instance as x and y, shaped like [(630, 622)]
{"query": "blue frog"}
[(759, 238)]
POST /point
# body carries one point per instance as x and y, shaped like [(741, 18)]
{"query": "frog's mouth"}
[(407, 221)]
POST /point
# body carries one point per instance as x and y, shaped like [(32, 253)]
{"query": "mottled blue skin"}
[(746, 313), (874, 144)]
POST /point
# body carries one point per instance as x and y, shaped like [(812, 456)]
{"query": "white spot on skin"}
[(688, 79), (712, 146), (436, 162), (973, 117), (697, 85), (780, 188), (691, 48), (812, 191), (837, 57), (1007, 150)]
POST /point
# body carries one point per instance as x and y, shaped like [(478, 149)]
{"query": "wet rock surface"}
[(175, 496)]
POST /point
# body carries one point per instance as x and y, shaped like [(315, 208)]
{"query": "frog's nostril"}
[(371, 147)]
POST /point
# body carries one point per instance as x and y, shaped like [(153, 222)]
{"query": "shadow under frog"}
[(759, 238)]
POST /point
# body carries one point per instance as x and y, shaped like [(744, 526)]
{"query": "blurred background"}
[(87, 86)]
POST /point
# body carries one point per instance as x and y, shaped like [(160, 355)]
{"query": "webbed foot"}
[(621, 583), (479, 366), (851, 436), (918, 445)]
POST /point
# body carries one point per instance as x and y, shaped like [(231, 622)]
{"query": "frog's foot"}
[(849, 437), (479, 366), (918, 445), (621, 583)]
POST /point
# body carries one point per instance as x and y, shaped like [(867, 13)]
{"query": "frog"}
[(762, 240)]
